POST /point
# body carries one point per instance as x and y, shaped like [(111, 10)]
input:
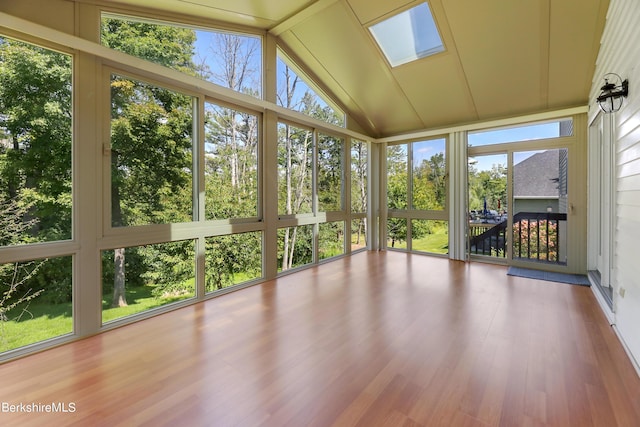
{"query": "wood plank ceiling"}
[(502, 58)]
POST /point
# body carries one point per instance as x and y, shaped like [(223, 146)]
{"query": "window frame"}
[(195, 25), (56, 248), (410, 213)]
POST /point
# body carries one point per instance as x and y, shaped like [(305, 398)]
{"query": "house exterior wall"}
[(620, 54), (535, 205)]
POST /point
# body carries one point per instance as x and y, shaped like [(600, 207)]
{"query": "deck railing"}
[(537, 236)]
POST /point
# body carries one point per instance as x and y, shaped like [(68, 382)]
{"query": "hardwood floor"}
[(377, 339)]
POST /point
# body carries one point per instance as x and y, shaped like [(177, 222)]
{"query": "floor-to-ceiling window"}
[(416, 196), (36, 194)]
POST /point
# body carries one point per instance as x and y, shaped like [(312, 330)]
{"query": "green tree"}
[(151, 138), (35, 152), (397, 191), (16, 279), (487, 184), (330, 172), (231, 163), (35, 159), (166, 45), (232, 259)]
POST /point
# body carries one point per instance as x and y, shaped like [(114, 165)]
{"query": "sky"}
[(512, 134), (203, 53)]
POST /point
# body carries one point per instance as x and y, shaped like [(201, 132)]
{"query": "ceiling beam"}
[(300, 16)]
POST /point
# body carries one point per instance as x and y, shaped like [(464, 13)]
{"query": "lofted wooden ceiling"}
[(502, 58)]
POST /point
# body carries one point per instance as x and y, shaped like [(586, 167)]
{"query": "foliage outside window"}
[(153, 276), (232, 260), (296, 94), (35, 304), (428, 175), (151, 168), (359, 191), (359, 237), (295, 170), (35, 141), (295, 247), (231, 163), (227, 59), (418, 190), (35, 191), (397, 177), (430, 236), (330, 239), (397, 233), (330, 175), (487, 183), (151, 154)]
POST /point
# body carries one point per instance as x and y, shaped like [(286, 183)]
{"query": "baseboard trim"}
[(606, 309), (634, 362)]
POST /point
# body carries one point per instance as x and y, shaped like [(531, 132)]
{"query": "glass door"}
[(487, 216), (540, 206), (518, 195)]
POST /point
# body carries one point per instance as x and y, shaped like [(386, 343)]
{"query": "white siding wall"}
[(620, 54)]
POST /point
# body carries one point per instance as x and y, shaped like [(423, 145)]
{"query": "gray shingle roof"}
[(537, 176)]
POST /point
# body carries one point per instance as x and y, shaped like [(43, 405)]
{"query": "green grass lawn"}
[(138, 299), (438, 242), (38, 322), (44, 321)]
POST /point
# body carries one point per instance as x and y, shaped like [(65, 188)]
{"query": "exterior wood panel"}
[(620, 54)]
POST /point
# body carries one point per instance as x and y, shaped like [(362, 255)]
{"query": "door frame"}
[(577, 192), (602, 206)]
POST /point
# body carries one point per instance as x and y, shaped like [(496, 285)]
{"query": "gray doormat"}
[(573, 279)]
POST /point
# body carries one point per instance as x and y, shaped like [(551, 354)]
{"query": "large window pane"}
[(297, 94), (397, 170), (35, 301), (527, 132), (151, 154), (35, 144), (295, 170), (331, 239), (359, 153), (140, 278), (233, 259), (295, 247), (429, 172), (231, 163), (227, 59), (330, 177), (430, 236), (397, 233), (358, 234)]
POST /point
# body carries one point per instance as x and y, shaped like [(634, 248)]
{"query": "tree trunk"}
[(285, 250), (119, 299), (119, 295), (293, 246)]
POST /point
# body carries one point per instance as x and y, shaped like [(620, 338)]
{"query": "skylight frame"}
[(402, 41)]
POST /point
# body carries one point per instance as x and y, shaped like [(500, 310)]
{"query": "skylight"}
[(408, 36)]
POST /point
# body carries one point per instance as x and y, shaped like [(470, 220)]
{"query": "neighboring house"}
[(539, 182)]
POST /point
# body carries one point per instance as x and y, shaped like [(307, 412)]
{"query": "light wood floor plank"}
[(376, 339)]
